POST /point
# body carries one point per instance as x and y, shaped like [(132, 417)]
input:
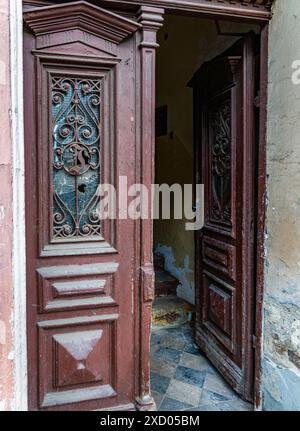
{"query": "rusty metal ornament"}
[(221, 164), (76, 156)]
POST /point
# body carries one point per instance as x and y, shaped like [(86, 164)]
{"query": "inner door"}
[(224, 94), (80, 93)]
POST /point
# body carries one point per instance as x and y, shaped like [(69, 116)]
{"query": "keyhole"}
[(81, 188)]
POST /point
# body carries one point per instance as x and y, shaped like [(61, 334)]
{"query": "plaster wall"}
[(281, 356), (13, 349), (6, 218)]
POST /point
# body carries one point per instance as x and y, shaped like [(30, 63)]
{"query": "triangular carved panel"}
[(85, 49), (77, 357)]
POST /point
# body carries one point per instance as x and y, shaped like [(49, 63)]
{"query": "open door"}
[(224, 94), (89, 287)]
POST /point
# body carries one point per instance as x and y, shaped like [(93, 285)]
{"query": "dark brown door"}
[(224, 91), (80, 92)]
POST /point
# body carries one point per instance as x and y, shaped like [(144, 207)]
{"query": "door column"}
[(151, 20)]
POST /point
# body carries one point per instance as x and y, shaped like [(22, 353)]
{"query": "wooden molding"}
[(151, 19), (147, 274), (250, 10), (80, 16), (255, 3)]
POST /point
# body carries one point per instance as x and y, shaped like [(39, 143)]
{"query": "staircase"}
[(168, 310), (165, 283)]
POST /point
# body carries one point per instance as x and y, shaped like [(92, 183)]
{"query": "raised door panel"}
[(219, 256), (76, 286), (80, 360)]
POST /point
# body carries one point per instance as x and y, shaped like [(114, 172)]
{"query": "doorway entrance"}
[(206, 132), (89, 120)]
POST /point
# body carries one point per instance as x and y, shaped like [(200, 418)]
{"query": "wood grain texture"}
[(80, 291), (151, 20), (250, 10)]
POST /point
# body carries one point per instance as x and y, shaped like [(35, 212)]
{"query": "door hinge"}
[(257, 100), (254, 342)]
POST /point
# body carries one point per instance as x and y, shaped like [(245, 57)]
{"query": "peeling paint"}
[(282, 336), (3, 79), (2, 332), (2, 214)]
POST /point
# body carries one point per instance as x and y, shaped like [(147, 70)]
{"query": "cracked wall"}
[(281, 359)]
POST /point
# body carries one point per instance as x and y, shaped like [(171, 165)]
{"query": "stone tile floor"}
[(183, 379)]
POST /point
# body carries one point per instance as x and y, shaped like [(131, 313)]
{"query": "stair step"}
[(165, 284), (165, 277), (159, 262), (170, 312)]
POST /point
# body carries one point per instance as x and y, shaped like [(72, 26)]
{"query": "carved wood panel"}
[(79, 359), (219, 312), (76, 286), (220, 162), (219, 256), (81, 133)]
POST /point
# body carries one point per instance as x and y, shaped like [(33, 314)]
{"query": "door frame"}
[(262, 18), (258, 14)]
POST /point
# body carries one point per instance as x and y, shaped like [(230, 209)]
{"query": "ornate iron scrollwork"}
[(76, 156), (221, 163)]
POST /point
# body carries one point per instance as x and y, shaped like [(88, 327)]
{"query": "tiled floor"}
[(183, 379)]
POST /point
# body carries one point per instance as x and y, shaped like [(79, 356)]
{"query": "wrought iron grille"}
[(221, 163), (76, 104)]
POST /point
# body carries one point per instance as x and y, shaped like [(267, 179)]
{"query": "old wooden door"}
[(224, 93), (88, 284)]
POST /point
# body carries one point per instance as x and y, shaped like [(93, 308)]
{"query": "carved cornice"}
[(254, 10), (80, 15), (151, 18), (267, 4)]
